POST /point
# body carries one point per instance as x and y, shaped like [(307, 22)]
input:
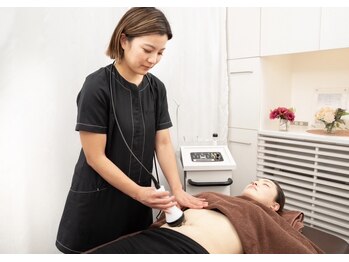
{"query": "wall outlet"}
[(299, 123)]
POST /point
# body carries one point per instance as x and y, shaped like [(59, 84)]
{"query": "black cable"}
[(156, 182), (156, 170)]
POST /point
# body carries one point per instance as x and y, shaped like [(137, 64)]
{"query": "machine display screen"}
[(206, 156)]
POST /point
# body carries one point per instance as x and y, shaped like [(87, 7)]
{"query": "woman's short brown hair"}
[(138, 21)]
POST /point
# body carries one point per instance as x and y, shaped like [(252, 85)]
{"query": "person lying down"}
[(251, 223)]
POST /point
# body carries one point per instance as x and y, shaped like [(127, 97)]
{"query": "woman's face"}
[(143, 53), (263, 191)]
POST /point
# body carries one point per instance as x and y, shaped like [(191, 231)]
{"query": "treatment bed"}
[(329, 243), (262, 230)]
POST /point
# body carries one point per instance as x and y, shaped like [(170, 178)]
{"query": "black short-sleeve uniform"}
[(95, 212)]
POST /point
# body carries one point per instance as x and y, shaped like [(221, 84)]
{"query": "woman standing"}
[(122, 120)]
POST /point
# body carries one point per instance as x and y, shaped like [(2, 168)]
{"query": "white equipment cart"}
[(207, 169)]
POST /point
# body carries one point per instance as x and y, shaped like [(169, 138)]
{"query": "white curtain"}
[(194, 71), (46, 53)]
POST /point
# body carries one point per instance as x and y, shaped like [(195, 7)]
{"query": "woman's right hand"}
[(150, 197)]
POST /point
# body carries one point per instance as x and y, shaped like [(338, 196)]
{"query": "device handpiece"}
[(174, 216)]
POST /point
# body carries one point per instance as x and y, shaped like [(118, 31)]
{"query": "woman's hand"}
[(186, 200), (155, 199)]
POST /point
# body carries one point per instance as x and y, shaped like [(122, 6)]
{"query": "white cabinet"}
[(243, 32), (245, 86), (266, 31), (243, 147), (334, 28), (290, 30), (244, 93)]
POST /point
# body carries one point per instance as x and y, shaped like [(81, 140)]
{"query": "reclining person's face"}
[(263, 191)]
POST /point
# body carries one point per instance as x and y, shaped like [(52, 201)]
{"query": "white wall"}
[(326, 71), (195, 73), (276, 87), (46, 53)]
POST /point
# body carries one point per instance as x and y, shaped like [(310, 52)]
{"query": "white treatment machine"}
[(207, 169)]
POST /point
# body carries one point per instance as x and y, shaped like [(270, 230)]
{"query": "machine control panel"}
[(206, 156)]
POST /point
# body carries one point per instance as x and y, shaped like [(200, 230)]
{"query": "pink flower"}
[(282, 113)]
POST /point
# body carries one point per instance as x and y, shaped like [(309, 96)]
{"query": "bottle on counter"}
[(215, 139)]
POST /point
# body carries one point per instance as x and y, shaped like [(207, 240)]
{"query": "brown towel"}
[(294, 218), (261, 230)]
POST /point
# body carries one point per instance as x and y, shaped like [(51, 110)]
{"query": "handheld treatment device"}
[(174, 216)]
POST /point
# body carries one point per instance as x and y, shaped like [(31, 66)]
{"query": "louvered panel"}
[(314, 176), (312, 172), (333, 199), (336, 224), (305, 158), (339, 225), (277, 148), (318, 202), (336, 153), (333, 188), (316, 166), (303, 142), (314, 207)]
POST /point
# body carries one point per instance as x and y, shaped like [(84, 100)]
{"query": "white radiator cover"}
[(314, 175)]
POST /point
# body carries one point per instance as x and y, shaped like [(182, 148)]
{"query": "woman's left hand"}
[(186, 200)]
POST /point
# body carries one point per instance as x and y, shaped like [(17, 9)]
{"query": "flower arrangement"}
[(284, 114), (331, 117)]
